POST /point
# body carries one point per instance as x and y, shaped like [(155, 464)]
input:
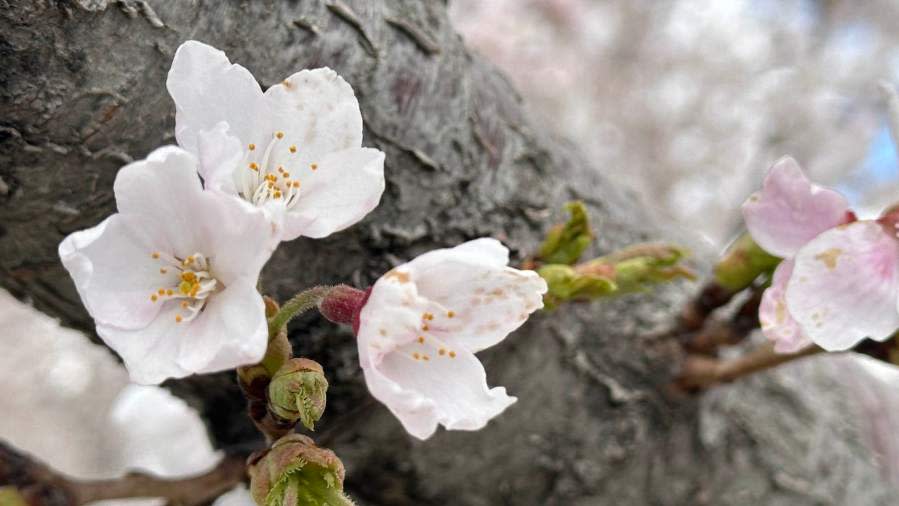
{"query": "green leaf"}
[(565, 243)]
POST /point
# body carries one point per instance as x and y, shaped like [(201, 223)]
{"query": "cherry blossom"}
[(839, 281), (170, 279), (422, 323), (294, 150)]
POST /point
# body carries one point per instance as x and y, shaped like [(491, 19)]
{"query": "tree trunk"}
[(83, 92)]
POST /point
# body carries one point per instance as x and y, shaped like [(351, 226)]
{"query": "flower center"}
[(191, 287), (260, 180)]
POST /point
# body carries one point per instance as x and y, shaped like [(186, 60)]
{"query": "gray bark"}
[(83, 92)]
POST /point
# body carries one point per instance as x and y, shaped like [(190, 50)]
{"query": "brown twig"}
[(716, 333), (41, 486), (702, 372)]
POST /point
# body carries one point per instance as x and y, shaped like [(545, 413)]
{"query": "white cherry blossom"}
[(423, 322), (170, 279), (294, 150)]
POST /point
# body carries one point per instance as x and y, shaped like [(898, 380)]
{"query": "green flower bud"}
[(295, 472), (742, 263), (565, 243), (10, 496), (564, 283), (298, 391)]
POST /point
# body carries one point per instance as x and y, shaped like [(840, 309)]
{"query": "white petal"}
[(163, 192), (318, 113), (344, 187), (230, 332), (238, 496), (114, 272), (790, 210), (845, 284), (207, 88), (150, 353), (146, 415), (444, 385), (220, 155), (777, 323), (478, 301)]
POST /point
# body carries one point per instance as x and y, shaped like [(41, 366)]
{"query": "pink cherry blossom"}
[(293, 150), (423, 322), (839, 281)]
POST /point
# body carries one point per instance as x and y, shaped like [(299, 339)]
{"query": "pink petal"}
[(844, 286), (790, 210), (777, 323)]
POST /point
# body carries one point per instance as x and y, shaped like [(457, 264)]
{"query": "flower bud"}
[(298, 391), (342, 304), (10, 496), (742, 262), (564, 283), (565, 243), (294, 472)]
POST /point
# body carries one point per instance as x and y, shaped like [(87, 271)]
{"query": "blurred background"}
[(685, 102)]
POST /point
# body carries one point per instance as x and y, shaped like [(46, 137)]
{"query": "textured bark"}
[(83, 92)]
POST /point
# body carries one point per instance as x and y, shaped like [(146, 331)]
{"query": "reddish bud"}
[(343, 304)]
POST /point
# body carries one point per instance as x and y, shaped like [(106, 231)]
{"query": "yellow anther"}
[(441, 351), (285, 174), (154, 298), (296, 184), (184, 304), (178, 318), (450, 314), (163, 270), (252, 146), (425, 357), (421, 339), (313, 166), (170, 292), (188, 276), (452, 354), (185, 287), (428, 316), (416, 356), (277, 194), (155, 255), (293, 149), (161, 291), (254, 166), (425, 327), (279, 135)]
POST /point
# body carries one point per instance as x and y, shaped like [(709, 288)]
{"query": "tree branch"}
[(42, 486)]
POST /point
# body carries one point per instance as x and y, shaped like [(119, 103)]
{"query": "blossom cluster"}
[(171, 278), (838, 282)]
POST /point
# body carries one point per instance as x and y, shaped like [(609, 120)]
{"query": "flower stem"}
[(702, 372), (299, 304)]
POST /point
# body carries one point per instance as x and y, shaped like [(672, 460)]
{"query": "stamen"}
[(314, 166), (421, 339), (254, 166), (293, 149), (163, 270), (178, 318), (441, 351), (155, 256), (252, 147), (279, 134), (452, 354), (450, 314), (154, 297)]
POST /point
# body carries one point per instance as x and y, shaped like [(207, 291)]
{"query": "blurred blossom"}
[(160, 433), (702, 95)]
